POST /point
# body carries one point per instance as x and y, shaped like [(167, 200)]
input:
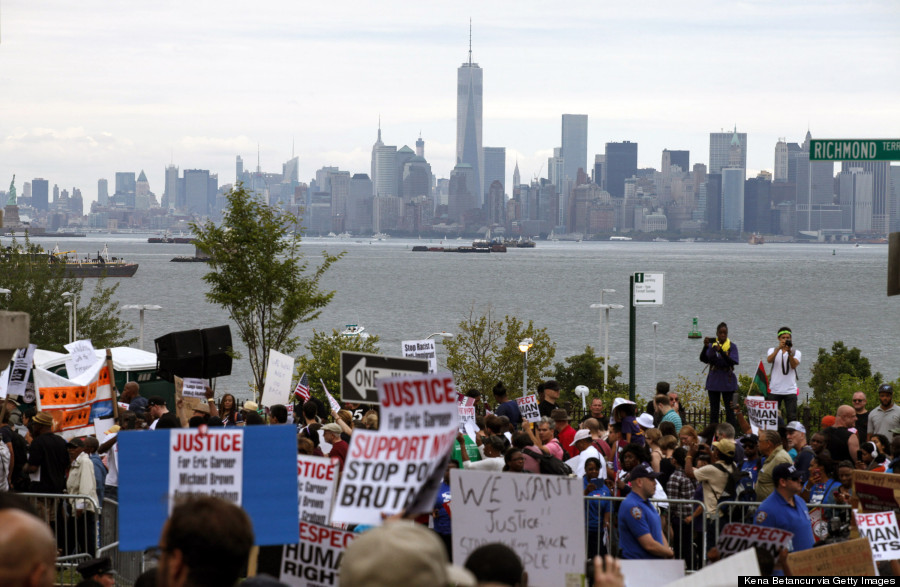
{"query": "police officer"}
[(785, 509), (640, 528)]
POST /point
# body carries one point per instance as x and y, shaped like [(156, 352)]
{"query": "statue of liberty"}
[(12, 192)]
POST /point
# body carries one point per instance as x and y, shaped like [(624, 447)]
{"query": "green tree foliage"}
[(485, 351), (323, 360), (37, 288), (587, 369), (259, 275), (836, 375)]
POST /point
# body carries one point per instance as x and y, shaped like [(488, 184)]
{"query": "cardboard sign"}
[(267, 488), (528, 407), (315, 488), (386, 468), (20, 370), (852, 558), (883, 534), (314, 562), (184, 405), (877, 492), (82, 357), (762, 413), (422, 349), (75, 403), (736, 537), (720, 574), (278, 385), (193, 387), (206, 462), (533, 514)]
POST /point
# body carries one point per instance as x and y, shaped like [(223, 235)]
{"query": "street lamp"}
[(524, 345), (655, 325), (605, 335), (69, 316), (443, 334), (142, 307), (74, 333)]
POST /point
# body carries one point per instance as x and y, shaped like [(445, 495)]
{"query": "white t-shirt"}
[(781, 384), (577, 463)]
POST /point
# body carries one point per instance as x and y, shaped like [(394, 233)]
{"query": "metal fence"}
[(84, 531)]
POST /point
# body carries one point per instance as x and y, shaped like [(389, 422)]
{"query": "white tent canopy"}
[(124, 359)]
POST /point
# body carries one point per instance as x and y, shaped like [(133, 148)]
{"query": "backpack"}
[(549, 464), (732, 483)]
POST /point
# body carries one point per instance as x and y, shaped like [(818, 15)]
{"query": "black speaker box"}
[(216, 342), (180, 353)]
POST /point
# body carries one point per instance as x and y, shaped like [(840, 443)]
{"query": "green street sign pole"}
[(632, 332), (854, 150)]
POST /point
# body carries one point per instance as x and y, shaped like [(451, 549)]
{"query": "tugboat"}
[(756, 239)]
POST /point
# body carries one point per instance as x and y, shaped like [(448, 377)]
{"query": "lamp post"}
[(141, 307), (69, 316), (442, 334), (605, 335), (655, 326), (74, 332), (524, 345)]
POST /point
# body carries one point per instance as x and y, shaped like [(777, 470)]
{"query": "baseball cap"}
[(786, 471), (156, 401), (559, 415), (827, 421), (416, 557), (642, 470), (751, 439), (75, 443), (96, 566), (332, 427), (581, 435), (645, 420), (725, 446), (797, 427)]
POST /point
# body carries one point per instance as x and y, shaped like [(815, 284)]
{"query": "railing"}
[(84, 531)]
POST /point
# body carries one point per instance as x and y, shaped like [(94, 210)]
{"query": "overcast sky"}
[(94, 87)]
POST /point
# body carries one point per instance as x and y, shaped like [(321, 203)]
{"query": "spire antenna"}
[(470, 41)]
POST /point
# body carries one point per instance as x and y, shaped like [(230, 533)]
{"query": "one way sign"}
[(360, 370)]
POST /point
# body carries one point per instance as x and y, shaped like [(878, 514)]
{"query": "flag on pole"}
[(302, 390), (760, 381)]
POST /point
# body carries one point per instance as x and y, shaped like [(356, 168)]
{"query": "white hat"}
[(582, 434), (645, 420), (619, 401), (797, 427)]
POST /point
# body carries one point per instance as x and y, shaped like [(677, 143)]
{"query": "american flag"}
[(302, 390)]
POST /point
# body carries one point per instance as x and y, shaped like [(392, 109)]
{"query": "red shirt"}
[(566, 436), (338, 453)]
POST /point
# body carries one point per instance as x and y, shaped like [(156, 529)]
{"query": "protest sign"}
[(4, 382), (762, 413), (206, 463), (720, 574), (736, 537), (466, 416), (877, 492), (20, 370), (193, 387), (883, 534), (279, 372), (335, 406), (314, 562), (265, 484), (533, 514), (74, 403), (185, 405), (315, 488), (81, 357), (650, 572), (386, 468), (528, 407), (422, 349), (101, 426), (852, 558)]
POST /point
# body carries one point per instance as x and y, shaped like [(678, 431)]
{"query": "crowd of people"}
[(654, 482)]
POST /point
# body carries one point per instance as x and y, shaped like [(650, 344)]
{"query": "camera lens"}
[(788, 343)]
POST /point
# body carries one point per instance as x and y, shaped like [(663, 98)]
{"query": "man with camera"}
[(783, 381)]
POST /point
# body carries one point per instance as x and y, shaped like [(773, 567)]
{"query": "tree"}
[(840, 373), (324, 360), (260, 276), (587, 369), (37, 287), (486, 351)]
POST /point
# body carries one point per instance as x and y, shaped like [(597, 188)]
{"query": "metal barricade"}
[(689, 540), (832, 519), (129, 565)]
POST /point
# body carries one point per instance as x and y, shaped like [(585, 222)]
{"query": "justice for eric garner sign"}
[(541, 517), (528, 407), (314, 562), (762, 413), (315, 488), (255, 467), (385, 468)]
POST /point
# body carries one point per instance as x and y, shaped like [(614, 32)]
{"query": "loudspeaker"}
[(216, 342), (179, 353)]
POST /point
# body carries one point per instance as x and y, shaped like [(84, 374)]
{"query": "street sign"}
[(854, 150), (648, 289), (360, 370)]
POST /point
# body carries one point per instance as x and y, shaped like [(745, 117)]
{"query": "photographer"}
[(783, 381), (721, 355)]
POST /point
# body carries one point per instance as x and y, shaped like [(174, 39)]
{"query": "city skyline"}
[(141, 88)]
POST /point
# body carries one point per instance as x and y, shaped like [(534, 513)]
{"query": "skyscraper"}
[(102, 192), (40, 194), (781, 161), (469, 148), (733, 199), (574, 145), (721, 153), (170, 196), (620, 164), (494, 167), (881, 191), (385, 169), (372, 171)]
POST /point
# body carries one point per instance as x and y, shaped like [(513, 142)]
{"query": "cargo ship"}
[(103, 265)]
